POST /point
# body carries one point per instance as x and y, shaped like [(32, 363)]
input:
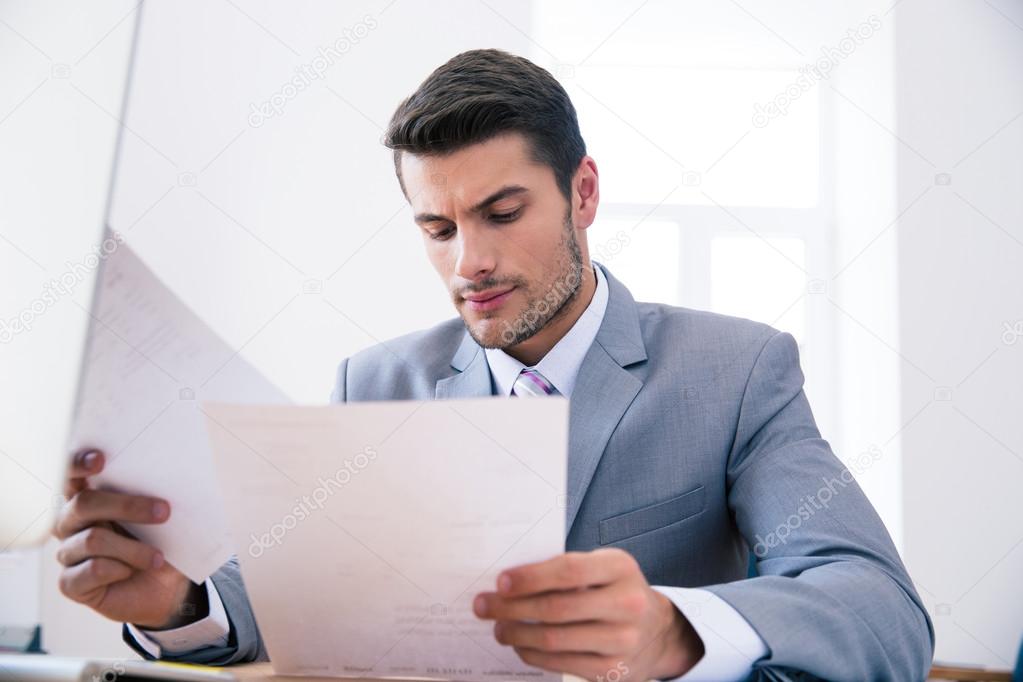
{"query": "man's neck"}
[(533, 349)]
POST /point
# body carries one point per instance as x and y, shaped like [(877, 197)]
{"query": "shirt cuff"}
[(211, 631), (731, 645)]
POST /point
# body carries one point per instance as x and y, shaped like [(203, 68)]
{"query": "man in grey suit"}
[(691, 444)]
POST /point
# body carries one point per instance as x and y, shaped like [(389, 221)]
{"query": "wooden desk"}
[(949, 672), (262, 671), (257, 672)]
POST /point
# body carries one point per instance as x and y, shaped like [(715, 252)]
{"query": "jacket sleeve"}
[(832, 598), (244, 643)]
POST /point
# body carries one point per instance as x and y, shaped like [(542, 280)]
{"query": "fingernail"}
[(504, 583), (479, 605), (157, 560), (498, 630), (161, 510), (90, 459)]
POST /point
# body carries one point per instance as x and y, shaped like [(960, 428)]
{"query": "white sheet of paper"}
[(365, 530), (149, 362)]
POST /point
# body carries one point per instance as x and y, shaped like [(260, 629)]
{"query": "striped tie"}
[(530, 383)]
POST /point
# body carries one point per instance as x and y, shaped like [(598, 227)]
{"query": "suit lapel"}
[(603, 390), (473, 378)]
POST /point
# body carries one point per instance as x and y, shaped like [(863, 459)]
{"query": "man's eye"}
[(505, 217), (442, 235)]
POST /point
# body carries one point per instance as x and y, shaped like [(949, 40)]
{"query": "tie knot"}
[(531, 383)]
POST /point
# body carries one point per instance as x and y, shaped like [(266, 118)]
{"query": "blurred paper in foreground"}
[(365, 530), (149, 360)]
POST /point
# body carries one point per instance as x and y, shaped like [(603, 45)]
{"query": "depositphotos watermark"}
[(314, 70), (307, 504), (811, 504), (58, 288), (1012, 332), (615, 674), (539, 311), (611, 247), (811, 74), (112, 672)]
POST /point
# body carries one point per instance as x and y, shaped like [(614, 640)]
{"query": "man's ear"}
[(585, 193)]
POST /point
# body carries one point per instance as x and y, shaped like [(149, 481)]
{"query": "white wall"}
[(290, 236), (959, 101), (63, 68)]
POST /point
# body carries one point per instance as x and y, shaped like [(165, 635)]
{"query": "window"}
[(705, 202)]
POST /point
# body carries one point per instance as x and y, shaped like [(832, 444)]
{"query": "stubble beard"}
[(544, 307)]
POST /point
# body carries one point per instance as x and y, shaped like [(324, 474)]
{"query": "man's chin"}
[(491, 332), (486, 332)]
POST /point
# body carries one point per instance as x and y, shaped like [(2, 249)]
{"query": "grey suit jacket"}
[(691, 442)]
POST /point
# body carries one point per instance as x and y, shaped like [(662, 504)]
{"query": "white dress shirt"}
[(731, 645), (213, 630), (561, 364)]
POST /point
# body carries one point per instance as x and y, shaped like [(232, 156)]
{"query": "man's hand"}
[(593, 615), (108, 570)]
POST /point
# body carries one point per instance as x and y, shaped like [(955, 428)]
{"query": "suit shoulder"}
[(424, 349), (404, 367), (704, 332), (703, 323)]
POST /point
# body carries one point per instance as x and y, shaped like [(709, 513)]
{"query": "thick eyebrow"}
[(503, 193)]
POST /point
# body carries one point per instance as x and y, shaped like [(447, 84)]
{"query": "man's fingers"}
[(605, 639), (77, 582), (618, 603), (91, 506), (98, 541), (572, 570), (84, 463)]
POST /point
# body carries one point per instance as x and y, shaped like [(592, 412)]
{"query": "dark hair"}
[(480, 94)]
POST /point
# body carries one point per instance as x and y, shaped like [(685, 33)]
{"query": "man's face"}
[(500, 234)]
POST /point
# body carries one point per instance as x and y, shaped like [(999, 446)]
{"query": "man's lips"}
[(487, 300)]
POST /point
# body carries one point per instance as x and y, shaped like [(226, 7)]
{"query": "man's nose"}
[(477, 257)]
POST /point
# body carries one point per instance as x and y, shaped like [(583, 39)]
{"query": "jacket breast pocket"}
[(653, 517)]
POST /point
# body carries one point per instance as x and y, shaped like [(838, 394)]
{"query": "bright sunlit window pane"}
[(761, 279), (644, 255), (690, 136)]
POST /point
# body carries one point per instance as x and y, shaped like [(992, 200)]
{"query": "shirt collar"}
[(561, 364)]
